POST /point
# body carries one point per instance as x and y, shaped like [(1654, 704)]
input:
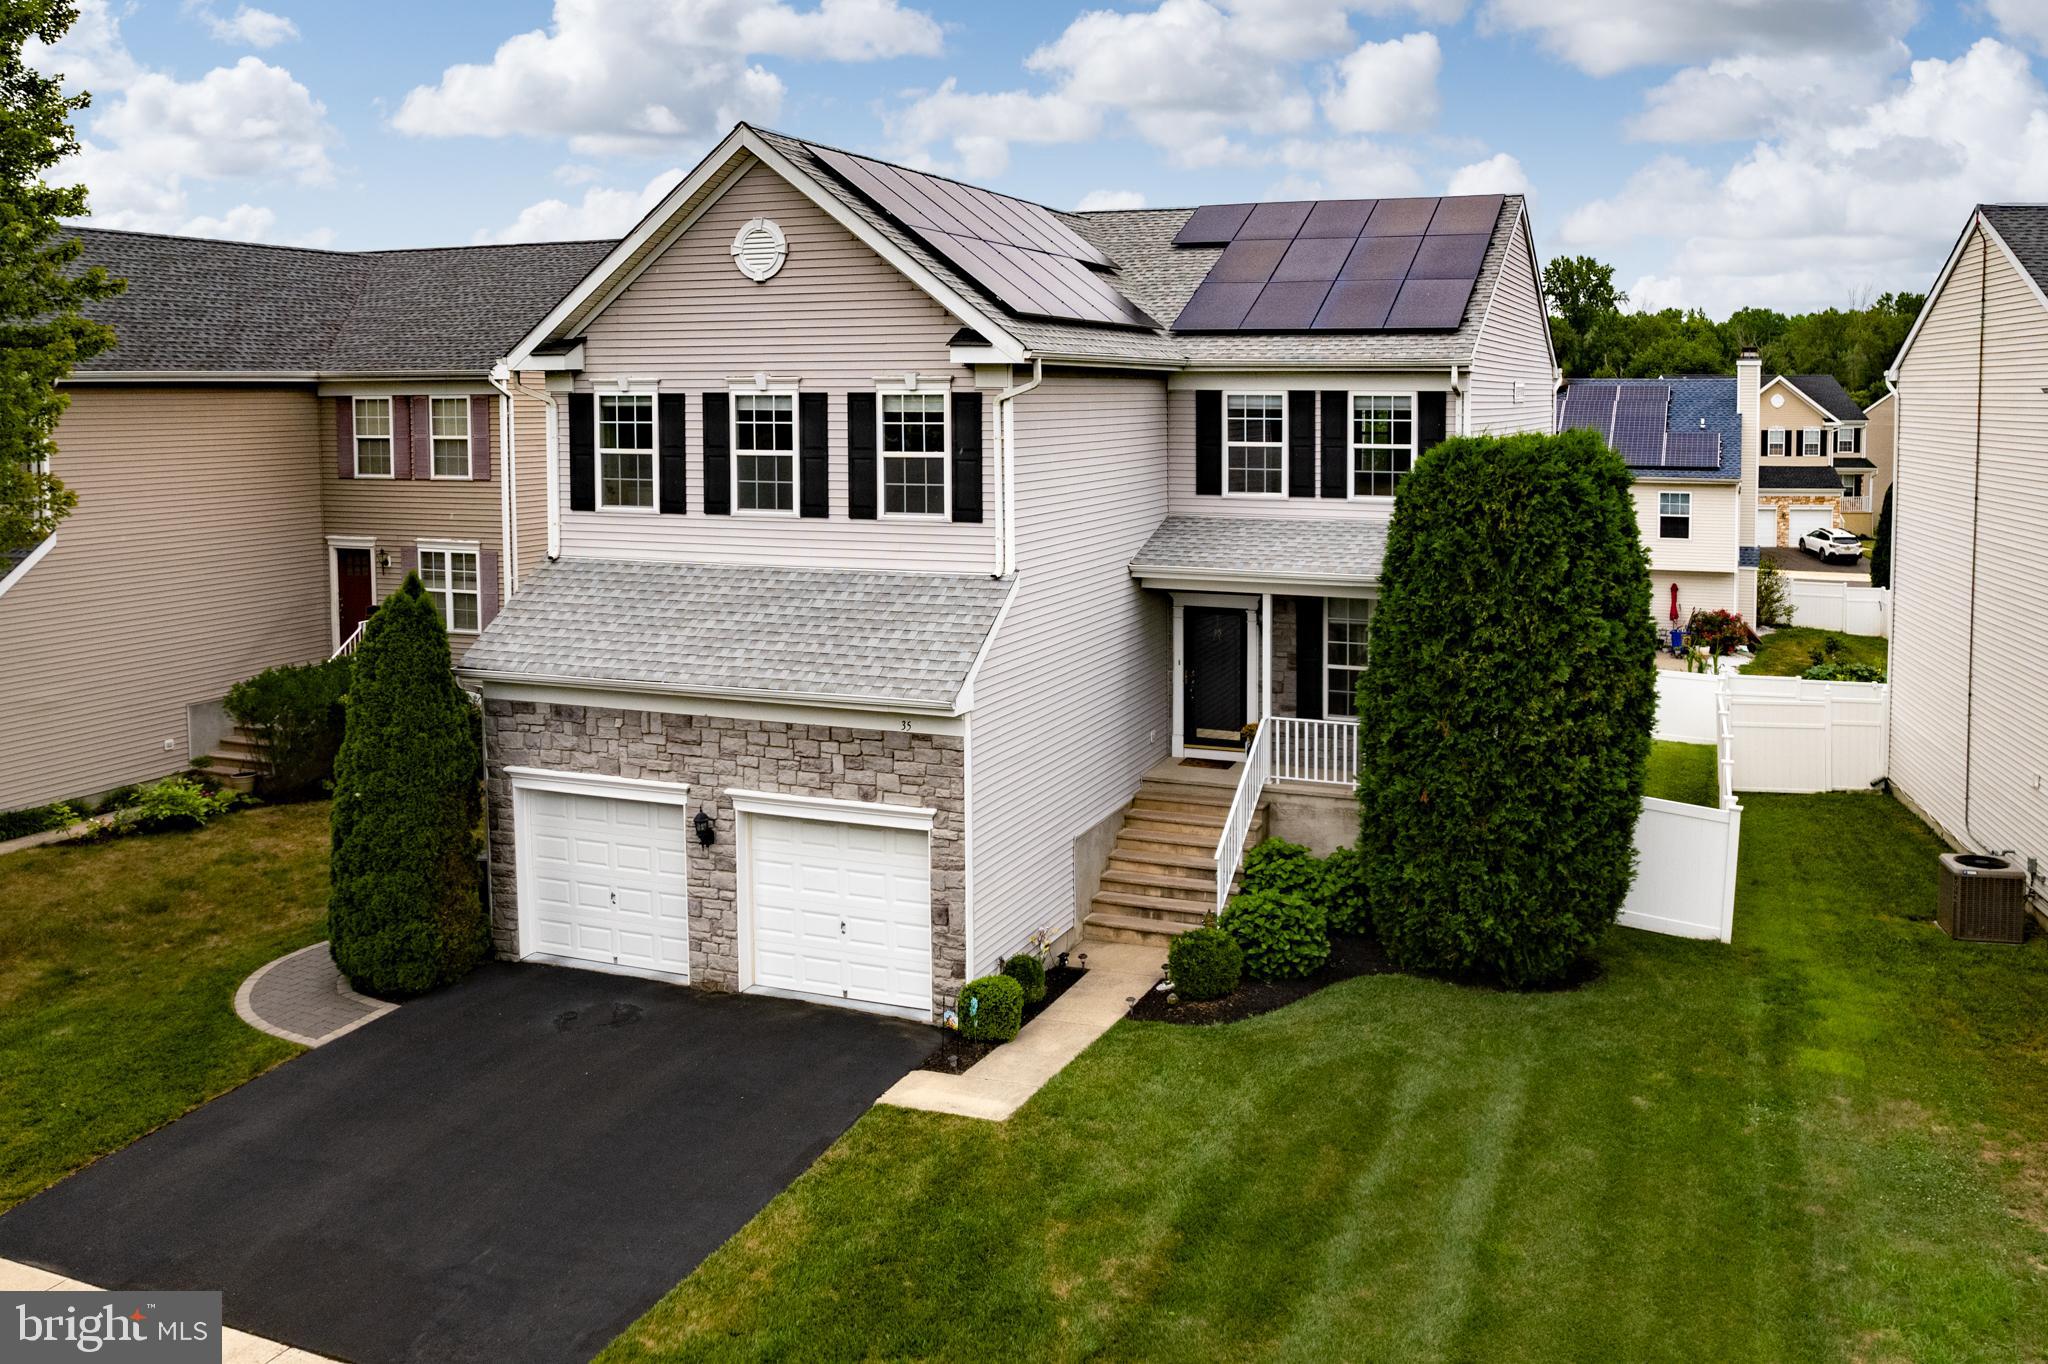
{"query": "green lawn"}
[(1788, 652), (1683, 772), (1826, 1142), (118, 968)]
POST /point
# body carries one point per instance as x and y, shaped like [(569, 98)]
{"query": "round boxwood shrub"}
[(991, 1009), (1504, 725), (1029, 972), (1343, 892), (1205, 963), (1282, 936), (1278, 865)]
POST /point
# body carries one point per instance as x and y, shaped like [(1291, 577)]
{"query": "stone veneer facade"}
[(713, 754), (1784, 502)]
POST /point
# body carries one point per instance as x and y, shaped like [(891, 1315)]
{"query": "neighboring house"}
[(1867, 475), (905, 528), (1813, 471), (1686, 442), (1969, 727), (278, 435)]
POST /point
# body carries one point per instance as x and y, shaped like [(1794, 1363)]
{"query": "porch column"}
[(1265, 656)]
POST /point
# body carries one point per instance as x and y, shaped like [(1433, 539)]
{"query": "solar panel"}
[(1693, 450), (1337, 218), (1218, 307), (1640, 416), (1311, 258), (1466, 213), (1380, 258), (1248, 262), (1357, 305), (1287, 307), (1430, 305), (1589, 407), (1213, 225), (1276, 220), (1400, 217), (1456, 257)]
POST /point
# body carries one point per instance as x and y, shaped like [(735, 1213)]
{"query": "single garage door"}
[(604, 881), (842, 911), (1767, 526), (1806, 520)]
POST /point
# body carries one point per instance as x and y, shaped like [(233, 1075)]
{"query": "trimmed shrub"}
[(405, 912), (1843, 672), (297, 715), (173, 803), (990, 1009), (1773, 602), (1204, 964), (1029, 973), (1287, 868), (1282, 936), (1718, 632), (1343, 892), (1881, 552), (1505, 722), (37, 819)]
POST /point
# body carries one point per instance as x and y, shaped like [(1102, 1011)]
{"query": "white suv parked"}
[(1831, 544)]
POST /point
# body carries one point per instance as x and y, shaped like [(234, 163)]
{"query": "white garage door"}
[(605, 881), (1767, 526), (842, 911), (1806, 520)]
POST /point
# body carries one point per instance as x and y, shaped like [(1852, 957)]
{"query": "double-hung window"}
[(1845, 441), (1382, 442), (913, 454), (373, 437), (449, 421), (1347, 625), (625, 450), (1809, 441), (1852, 485), (451, 579), (764, 452), (1674, 516), (1254, 434), (1778, 439)]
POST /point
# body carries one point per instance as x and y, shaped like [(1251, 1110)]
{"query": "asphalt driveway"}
[(1793, 559), (512, 1169)]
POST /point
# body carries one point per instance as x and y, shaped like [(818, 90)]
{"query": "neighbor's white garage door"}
[(841, 911), (1767, 526), (605, 881), (1806, 520)]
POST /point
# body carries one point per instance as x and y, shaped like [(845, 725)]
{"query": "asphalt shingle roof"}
[(2024, 228), (199, 305), (1342, 549), (708, 628), (1696, 405), (1826, 392), (1798, 478)]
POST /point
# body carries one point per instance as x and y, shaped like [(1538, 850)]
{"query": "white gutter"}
[(510, 529), (1006, 459), (1464, 408), (891, 704)]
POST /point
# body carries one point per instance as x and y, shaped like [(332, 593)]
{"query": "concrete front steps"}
[(1161, 877), (236, 760)]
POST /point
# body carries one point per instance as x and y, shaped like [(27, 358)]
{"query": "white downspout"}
[(1464, 408), (507, 510), (1006, 551)]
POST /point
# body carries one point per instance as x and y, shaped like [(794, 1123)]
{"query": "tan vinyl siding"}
[(401, 512), (838, 319), (1514, 347), (530, 473), (1795, 416), (1180, 424), (1075, 699), (193, 561), (1878, 443), (1711, 546)]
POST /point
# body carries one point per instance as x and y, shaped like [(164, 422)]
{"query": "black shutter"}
[(1430, 420), (582, 452), (1208, 443), (1308, 657), (675, 468), (1336, 443), (813, 476), (967, 457), (1301, 443), (717, 454), (860, 456)]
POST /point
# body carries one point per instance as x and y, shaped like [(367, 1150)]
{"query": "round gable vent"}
[(759, 249)]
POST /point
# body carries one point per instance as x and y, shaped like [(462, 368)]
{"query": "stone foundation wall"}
[(713, 755), (1284, 645), (1784, 501)]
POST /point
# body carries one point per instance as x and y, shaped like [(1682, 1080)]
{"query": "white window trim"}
[(628, 390), (796, 438), (468, 438), (1281, 394), (423, 548), (1661, 515), (882, 456), (1848, 434), (355, 454), (595, 784), (873, 813), (1372, 606), (1820, 444), (1351, 448), (1778, 441)]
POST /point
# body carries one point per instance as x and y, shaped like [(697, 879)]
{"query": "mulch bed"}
[(956, 1054), (1349, 957)]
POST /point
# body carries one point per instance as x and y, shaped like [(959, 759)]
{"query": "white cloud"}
[(640, 75), (2025, 20), (242, 223), (1823, 213), (602, 212), (252, 27), (1342, 168), (1384, 87), (1602, 37), (91, 55), (1755, 96), (1497, 174), (981, 127), (1098, 199)]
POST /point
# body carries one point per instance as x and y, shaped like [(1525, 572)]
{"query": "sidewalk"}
[(237, 1347)]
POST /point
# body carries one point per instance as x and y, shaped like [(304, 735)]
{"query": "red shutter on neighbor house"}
[(401, 438), (487, 585), (480, 438), (422, 440), (345, 437)]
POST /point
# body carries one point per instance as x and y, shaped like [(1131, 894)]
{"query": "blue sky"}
[(1790, 153)]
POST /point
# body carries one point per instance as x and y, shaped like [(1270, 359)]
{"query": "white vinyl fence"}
[(1686, 854), (1789, 734), (1824, 603)]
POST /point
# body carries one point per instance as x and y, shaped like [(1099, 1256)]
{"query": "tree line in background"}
[(1596, 339)]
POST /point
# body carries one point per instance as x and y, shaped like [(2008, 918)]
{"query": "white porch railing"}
[(355, 638), (1313, 750), (1237, 825)]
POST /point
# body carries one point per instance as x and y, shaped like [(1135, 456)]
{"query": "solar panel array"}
[(1635, 419), (1339, 264), (1021, 253)]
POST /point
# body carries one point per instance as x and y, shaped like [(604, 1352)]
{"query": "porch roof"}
[(1265, 552)]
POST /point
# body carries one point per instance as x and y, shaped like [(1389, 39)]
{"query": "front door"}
[(1212, 651), (355, 590)]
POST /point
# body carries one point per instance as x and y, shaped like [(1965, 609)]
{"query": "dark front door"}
[(355, 590), (1212, 650)]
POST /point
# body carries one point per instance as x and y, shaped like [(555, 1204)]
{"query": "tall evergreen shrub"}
[(1504, 723), (1881, 552), (405, 911)]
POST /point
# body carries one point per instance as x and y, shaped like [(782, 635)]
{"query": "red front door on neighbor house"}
[(356, 589)]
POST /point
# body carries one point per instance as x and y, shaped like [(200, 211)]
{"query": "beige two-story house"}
[(1813, 471)]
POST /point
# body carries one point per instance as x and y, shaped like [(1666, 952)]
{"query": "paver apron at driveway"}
[(511, 1169)]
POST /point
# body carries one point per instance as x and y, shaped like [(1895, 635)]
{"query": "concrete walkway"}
[(302, 998), (1003, 1081), (237, 1347)]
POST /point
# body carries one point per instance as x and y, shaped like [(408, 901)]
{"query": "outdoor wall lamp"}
[(707, 833), (384, 560)]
